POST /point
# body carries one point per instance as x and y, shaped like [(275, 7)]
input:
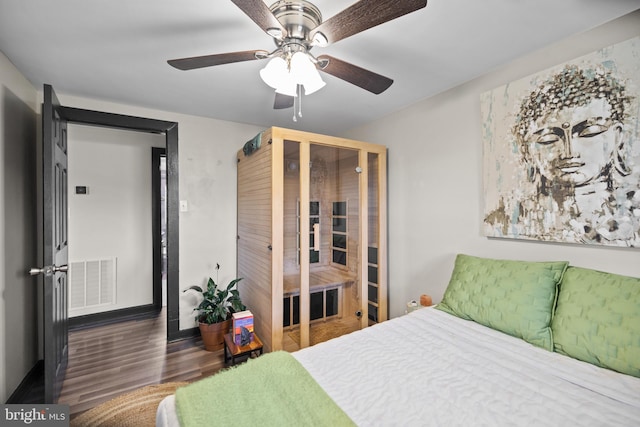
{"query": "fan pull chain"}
[(295, 100), (295, 119), (299, 100)]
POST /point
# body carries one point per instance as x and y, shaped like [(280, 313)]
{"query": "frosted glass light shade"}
[(305, 73), (314, 84), (275, 72), (301, 67)]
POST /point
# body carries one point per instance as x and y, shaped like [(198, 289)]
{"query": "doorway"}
[(170, 131), (114, 208)]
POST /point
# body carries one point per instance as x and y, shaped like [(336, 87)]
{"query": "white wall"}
[(113, 220), (18, 228), (435, 179), (207, 174)]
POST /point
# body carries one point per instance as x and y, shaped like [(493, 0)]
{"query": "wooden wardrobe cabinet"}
[(312, 236)]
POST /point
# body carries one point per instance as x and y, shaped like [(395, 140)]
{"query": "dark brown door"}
[(54, 157)]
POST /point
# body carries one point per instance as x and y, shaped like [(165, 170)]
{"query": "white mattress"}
[(431, 368)]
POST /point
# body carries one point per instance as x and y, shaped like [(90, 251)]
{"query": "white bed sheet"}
[(429, 368)]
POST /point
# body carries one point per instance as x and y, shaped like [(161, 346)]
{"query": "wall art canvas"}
[(562, 152)]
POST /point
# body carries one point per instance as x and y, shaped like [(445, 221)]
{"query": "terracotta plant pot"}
[(213, 334)]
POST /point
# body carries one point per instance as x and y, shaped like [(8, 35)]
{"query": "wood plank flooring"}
[(110, 360)]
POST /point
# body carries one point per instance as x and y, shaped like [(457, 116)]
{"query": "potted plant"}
[(215, 310)]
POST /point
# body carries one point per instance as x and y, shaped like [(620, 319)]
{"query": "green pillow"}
[(597, 319), (515, 297)]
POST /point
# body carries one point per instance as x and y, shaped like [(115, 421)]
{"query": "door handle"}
[(49, 270)]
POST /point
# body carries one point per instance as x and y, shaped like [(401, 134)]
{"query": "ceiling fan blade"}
[(282, 101), (363, 15), (353, 74), (211, 60), (260, 13)]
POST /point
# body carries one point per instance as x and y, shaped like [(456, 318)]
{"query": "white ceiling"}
[(116, 50)]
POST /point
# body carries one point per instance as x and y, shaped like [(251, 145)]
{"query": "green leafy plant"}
[(218, 304)]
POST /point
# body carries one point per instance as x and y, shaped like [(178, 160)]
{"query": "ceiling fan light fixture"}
[(285, 77)]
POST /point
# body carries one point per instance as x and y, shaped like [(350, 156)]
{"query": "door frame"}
[(156, 224), (170, 130)]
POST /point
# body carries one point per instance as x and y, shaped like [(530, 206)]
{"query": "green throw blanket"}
[(272, 390)]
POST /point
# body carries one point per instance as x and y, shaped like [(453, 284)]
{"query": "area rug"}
[(321, 332), (137, 408)]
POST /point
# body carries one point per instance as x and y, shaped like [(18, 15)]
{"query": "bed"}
[(463, 363)]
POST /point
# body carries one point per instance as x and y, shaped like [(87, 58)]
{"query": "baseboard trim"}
[(113, 316), (27, 391), (184, 334)]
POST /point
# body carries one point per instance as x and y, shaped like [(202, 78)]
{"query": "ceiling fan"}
[(296, 27)]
